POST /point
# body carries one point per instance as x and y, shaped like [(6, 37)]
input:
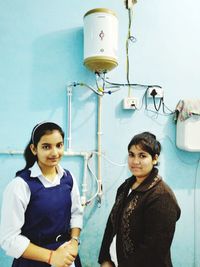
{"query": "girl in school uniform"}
[(41, 215)]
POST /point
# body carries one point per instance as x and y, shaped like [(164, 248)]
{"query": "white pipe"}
[(69, 116), (66, 153), (99, 135), (86, 156), (77, 153), (11, 152)]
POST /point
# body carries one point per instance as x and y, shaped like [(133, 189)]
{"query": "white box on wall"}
[(188, 134)]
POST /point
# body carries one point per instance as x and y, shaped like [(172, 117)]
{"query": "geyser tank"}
[(100, 40)]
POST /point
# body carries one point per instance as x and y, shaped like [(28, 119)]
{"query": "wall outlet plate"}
[(156, 91), (130, 103)]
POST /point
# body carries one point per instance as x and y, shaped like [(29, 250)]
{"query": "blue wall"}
[(41, 51)]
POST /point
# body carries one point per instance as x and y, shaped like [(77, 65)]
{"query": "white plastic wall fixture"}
[(188, 134), (100, 40)]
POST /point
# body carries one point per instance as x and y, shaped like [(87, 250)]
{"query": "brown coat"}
[(144, 223)]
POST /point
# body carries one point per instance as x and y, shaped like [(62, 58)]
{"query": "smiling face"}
[(49, 150), (140, 162)]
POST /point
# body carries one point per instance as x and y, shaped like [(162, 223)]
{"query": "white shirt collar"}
[(36, 171)]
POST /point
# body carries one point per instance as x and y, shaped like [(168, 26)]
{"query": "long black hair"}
[(148, 142), (38, 131)]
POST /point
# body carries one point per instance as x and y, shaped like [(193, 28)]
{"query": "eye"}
[(60, 145), (131, 155), (46, 147)]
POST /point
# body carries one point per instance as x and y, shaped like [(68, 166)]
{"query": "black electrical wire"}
[(145, 97), (154, 103)]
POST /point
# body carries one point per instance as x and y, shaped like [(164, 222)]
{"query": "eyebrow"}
[(51, 144), (143, 152), (45, 144)]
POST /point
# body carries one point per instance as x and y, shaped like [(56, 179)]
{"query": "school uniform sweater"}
[(39, 211)]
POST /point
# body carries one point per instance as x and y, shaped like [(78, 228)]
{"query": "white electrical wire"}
[(112, 162), (87, 86), (96, 179)]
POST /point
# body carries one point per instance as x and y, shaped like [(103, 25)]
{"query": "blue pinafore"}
[(47, 217)]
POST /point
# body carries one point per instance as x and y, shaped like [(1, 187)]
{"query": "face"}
[(140, 162), (49, 150)]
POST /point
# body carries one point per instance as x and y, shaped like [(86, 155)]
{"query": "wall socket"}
[(156, 91), (130, 103)]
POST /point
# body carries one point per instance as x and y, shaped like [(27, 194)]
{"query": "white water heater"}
[(100, 40), (187, 117), (188, 134)]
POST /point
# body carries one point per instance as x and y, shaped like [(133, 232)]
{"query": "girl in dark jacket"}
[(145, 212)]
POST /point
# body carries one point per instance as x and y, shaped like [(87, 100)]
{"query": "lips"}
[(135, 168), (53, 159)]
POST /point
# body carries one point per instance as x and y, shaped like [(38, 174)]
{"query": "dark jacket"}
[(143, 222)]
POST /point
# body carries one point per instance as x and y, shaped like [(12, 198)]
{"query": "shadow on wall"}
[(57, 58)]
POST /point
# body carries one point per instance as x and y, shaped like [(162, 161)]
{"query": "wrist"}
[(50, 257)]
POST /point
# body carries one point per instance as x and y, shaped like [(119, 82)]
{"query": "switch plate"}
[(130, 103), (159, 92)]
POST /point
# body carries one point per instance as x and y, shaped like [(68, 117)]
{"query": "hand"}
[(72, 247), (63, 256), (107, 264)]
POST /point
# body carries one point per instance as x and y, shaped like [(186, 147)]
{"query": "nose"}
[(136, 160), (54, 151)]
